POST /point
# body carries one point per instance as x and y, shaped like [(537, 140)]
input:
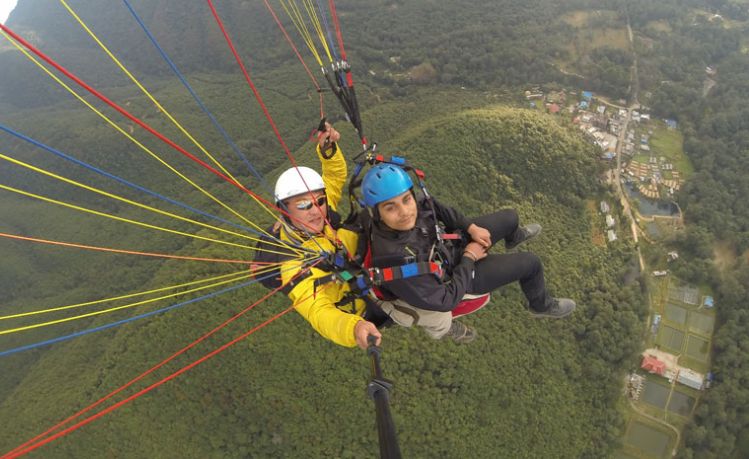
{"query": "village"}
[(652, 164), (646, 160)]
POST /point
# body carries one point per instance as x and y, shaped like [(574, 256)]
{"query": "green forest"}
[(440, 84)]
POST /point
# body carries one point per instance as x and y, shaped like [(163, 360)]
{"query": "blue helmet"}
[(383, 182)]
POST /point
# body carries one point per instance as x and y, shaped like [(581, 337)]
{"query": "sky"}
[(6, 6)]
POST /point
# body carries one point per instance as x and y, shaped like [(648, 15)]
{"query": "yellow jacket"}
[(317, 305)]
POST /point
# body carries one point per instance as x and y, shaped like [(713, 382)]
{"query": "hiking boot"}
[(470, 304), (522, 234), (460, 333), (556, 308)]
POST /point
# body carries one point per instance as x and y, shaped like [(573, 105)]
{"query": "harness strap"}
[(380, 275), (286, 289)]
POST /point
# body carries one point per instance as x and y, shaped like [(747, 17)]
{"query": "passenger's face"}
[(305, 214), (400, 212)]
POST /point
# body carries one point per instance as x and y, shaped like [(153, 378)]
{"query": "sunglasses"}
[(307, 204)]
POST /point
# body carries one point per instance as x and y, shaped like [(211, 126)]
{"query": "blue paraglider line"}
[(127, 182), (134, 318), (200, 103)]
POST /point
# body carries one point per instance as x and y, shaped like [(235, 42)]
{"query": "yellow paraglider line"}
[(119, 308), (122, 297), (296, 18), (122, 219), (137, 204), (136, 142), (160, 107), (312, 13)]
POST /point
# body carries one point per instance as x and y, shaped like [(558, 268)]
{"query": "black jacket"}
[(395, 248)]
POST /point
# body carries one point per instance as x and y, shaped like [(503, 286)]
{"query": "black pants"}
[(496, 270)]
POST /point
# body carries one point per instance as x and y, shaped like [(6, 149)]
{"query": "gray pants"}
[(435, 324)]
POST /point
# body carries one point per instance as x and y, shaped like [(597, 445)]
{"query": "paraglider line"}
[(121, 130), (135, 203), (139, 122), (236, 275), (131, 319), (200, 103), (244, 275), (327, 29), (121, 251), (119, 179), (145, 91), (121, 219), (39, 440), (337, 24), (293, 46), (263, 107)]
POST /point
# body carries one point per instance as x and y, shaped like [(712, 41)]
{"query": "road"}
[(633, 105), (634, 88)]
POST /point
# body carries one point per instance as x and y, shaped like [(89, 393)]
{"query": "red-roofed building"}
[(653, 365), (554, 108)]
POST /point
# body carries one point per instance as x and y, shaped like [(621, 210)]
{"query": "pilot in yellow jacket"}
[(306, 196)]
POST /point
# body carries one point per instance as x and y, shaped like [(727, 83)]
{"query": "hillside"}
[(285, 392), (438, 82)]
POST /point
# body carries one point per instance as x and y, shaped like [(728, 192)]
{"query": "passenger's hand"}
[(476, 251), (362, 330), (327, 137), (480, 235)]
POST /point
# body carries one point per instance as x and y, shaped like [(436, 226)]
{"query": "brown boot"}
[(460, 333)]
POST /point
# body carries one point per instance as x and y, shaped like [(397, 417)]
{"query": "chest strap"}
[(380, 275)]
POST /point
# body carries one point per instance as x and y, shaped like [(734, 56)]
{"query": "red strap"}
[(435, 268), (450, 236)]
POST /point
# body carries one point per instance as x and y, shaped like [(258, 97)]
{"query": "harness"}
[(362, 278), (269, 254), (368, 157), (372, 278), (357, 270)]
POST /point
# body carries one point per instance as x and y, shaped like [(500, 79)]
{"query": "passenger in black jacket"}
[(404, 230)]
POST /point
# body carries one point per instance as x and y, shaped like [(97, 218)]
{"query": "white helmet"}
[(296, 181)]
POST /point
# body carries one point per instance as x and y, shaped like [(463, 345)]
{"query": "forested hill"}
[(525, 388), (435, 82), (473, 43)]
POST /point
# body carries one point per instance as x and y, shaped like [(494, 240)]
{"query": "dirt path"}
[(707, 86), (566, 72), (661, 422)]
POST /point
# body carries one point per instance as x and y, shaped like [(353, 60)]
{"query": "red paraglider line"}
[(291, 43), (259, 99), (39, 440), (338, 33), (140, 123)]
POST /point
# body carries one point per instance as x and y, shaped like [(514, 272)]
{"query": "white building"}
[(609, 221), (691, 378)]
